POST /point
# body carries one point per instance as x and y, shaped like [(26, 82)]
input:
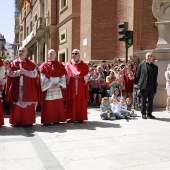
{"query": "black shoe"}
[(56, 123), (144, 116), (150, 116)]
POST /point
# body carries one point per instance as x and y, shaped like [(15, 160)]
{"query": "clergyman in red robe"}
[(52, 78), (21, 89), (77, 88)]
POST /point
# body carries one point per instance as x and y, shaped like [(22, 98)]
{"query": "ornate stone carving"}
[(161, 10)]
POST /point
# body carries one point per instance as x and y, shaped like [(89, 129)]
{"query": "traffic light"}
[(129, 37), (122, 32)]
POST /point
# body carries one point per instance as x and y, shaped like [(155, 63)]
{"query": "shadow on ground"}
[(29, 131)]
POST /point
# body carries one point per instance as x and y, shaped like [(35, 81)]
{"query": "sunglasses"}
[(21, 51), (6, 63), (74, 53)]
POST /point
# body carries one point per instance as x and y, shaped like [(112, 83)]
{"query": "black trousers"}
[(147, 95)]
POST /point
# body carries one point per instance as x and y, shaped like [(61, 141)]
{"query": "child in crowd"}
[(116, 94), (113, 103), (105, 109), (121, 111), (96, 88), (129, 105), (116, 84)]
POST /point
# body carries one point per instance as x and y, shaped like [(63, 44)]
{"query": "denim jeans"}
[(104, 116), (121, 115)]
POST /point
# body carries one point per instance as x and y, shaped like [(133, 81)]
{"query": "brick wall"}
[(53, 12), (103, 30), (72, 26), (124, 14), (85, 29), (98, 24), (149, 33)]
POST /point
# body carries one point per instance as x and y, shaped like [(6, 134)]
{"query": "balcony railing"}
[(41, 22)]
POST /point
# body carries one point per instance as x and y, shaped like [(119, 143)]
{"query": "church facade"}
[(92, 27)]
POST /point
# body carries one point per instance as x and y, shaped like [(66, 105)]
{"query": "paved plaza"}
[(134, 144)]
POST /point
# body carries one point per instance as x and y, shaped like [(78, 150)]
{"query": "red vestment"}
[(1, 114), (53, 110), (76, 103), (1, 110), (18, 115), (128, 83)]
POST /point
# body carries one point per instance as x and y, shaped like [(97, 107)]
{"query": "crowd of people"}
[(116, 82), (104, 78), (64, 90)]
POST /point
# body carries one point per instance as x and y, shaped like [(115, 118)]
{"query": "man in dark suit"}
[(146, 79)]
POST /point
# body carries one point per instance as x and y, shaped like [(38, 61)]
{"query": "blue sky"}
[(7, 9)]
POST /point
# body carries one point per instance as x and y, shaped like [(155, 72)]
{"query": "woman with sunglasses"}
[(77, 89)]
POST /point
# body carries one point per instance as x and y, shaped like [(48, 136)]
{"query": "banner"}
[(26, 4)]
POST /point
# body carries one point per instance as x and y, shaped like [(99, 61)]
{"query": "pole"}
[(126, 52)]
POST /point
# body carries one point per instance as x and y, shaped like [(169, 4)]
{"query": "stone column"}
[(41, 48)]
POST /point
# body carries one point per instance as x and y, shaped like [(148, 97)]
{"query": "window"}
[(20, 37), (63, 36), (62, 55), (63, 4), (62, 58), (27, 31), (35, 18), (30, 26)]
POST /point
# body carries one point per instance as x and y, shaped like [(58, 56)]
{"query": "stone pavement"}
[(136, 144)]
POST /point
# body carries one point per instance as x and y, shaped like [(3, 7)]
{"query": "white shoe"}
[(112, 118)]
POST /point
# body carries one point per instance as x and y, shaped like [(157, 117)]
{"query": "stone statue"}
[(161, 11)]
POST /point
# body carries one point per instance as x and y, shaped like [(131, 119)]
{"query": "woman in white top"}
[(167, 77)]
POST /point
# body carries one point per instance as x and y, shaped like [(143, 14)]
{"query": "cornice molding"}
[(73, 15)]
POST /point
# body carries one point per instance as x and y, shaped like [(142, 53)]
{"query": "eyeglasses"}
[(21, 51), (6, 63), (74, 53)]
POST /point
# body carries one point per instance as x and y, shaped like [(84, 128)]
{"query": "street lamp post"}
[(2, 43)]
